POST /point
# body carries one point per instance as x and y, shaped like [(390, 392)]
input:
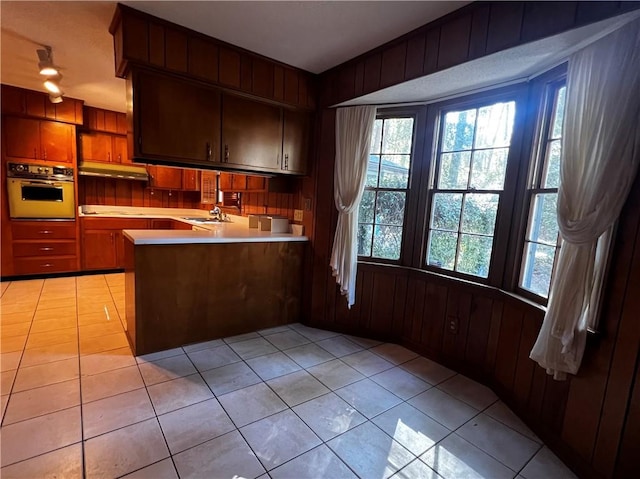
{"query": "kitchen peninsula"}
[(183, 287)]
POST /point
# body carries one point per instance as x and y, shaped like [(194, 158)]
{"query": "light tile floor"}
[(287, 402)]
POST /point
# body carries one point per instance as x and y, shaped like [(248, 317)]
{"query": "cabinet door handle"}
[(208, 151), (46, 265), (46, 249), (45, 232), (286, 161), (120, 158), (226, 153)]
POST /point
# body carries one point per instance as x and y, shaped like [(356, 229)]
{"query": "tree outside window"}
[(382, 209)]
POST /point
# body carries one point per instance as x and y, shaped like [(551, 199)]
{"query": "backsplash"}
[(108, 191)]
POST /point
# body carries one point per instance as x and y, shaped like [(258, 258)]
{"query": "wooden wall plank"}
[(588, 12), (246, 73), (420, 315), (347, 82), (494, 336), (479, 30), (454, 42), (372, 67), (175, 50), (415, 57), (262, 78), (229, 72), (358, 81), (542, 19), (628, 464), (203, 59), (393, 64), (382, 303), (434, 328), (290, 85), (525, 366), (508, 344), (555, 401), (399, 305), (505, 24), (478, 332), (366, 299), (431, 49), (156, 45)]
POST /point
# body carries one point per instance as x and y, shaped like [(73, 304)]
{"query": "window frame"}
[(385, 114), (498, 262), (544, 89)]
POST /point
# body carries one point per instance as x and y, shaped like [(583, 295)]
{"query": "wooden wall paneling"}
[(246, 73), (543, 19), (478, 333), (203, 59), (554, 404), (587, 12), (109, 191), (362, 321), (136, 38), (278, 83), (123, 193), (358, 79), (421, 312), (110, 121), (176, 50), (393, 64), (627, 464), (399, 305), (290, 85), (454, 342), (479, 30), (525, 366), (137, 195), (382, 304), (229, 73), (431, 50), (436, 301), (623, 362), (414, 64), (156, 45), (505, 25), (262, 82), (454, 41), (347, 82), (343, 315), (372, 66), (533, 408), (508, 344)]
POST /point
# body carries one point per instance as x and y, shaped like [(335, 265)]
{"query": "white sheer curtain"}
[(600, 157), (353, 137)]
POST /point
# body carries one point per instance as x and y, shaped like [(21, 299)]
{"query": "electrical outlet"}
[(307, 204), (297, 215), (453, 324)]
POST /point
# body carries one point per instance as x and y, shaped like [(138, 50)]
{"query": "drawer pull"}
[(46, 249), (46, 265), (45, 232)]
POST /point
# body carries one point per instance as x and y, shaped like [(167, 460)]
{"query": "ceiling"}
[(312, 35)]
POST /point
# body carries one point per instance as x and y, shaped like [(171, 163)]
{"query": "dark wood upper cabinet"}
[(295, 143), (39, 140), (166, 178), (251, 133), (174, 120)]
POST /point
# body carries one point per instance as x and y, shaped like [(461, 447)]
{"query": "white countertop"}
[(237, 231)]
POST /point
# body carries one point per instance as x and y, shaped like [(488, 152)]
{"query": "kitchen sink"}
[(205, 220)]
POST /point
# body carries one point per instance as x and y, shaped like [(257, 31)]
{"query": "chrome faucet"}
[(217, 214)]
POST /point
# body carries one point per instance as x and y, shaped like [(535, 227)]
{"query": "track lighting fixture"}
[(49, 70)]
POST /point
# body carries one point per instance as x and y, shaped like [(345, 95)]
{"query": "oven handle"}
[(43, 184)]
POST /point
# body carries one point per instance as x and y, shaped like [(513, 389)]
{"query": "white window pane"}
[(457, 133), (365, 213), (454, 171), (365, 233), (558, 114), (552, 165), (479, 213), (442, 249), (376, 138), (372, 171), (397, 135), (387, 241), (538, 267), (489, 169), (390, 207), (394, 171), (474, 255), (495, 125), (543, 221), (446, 211)]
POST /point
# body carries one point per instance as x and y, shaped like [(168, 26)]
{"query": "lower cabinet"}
[(103, 242), (41, 247)]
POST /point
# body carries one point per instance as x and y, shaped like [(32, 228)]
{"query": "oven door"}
[(40, 199)]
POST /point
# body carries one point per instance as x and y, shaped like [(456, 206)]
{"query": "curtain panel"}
[(353, 138), (601, 151)]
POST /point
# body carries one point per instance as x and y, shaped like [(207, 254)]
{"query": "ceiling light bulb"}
[(55, 99), (47, 69), (52, 87)]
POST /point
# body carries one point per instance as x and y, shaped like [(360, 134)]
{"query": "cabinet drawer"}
[(43, 230), (114, 224), (44, 265), (44, 248)]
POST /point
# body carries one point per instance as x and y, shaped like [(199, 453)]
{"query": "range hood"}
[(113, 170)]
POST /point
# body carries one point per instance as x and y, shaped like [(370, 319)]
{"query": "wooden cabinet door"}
[(190, 180), (251, 133), (165, 178), (96, 147), (56, 142), (120, 150), (175, 120), (99, 249), (295, 143), (22, 138)]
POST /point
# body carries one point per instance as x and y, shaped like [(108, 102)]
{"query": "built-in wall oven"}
[(40, 191)]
